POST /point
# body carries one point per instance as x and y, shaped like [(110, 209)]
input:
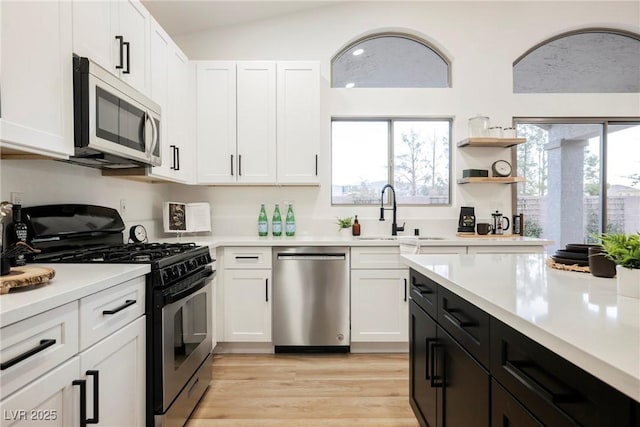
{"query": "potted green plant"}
[(344, 223), (624, 250)]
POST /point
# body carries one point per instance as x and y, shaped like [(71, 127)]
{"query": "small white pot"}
[(628, 281)]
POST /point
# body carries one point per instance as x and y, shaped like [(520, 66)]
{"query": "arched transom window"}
[(390, 61), (586, 61)]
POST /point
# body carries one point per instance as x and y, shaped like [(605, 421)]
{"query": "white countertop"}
[(71, 282), (348, 240), (576, 315)]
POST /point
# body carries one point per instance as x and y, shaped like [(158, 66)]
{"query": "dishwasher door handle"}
[(312, 257)]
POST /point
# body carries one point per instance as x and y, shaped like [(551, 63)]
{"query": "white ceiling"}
[(179, 17)]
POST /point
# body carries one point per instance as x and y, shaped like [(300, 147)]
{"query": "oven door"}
[(186, 339)]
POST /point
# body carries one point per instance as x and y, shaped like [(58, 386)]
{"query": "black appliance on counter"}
[(178, 302)]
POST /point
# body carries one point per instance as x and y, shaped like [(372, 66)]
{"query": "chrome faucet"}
[(394, 225)]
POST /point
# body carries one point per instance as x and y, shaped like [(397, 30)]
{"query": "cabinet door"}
[(422, 337), (247, 305), (36, 78), (119, 361), (507, 411), (216, 122), (159, 46), (298, 122), (256, 122), (178, 110), (51, 400), (94, 30), (465, 385), (379, 305), (133, 20)]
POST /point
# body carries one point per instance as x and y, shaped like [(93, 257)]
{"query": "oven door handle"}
[(169, 299)]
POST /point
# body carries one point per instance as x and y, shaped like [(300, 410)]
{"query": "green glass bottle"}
[(262, 222), (290, 222), (276, 222)]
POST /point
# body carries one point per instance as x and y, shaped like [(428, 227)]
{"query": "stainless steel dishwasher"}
[(310, 306)]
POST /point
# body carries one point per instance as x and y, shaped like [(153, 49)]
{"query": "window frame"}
[(391, 155), (604, 122)]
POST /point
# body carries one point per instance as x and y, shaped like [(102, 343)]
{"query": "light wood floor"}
[(307, 391)]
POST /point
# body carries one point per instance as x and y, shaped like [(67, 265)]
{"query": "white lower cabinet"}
[(247, 305), (118, 364), (379, 305), (48, 364), (379, 296), (51, 400)]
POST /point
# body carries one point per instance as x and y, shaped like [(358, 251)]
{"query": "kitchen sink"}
[(376, 238), (430, 238)]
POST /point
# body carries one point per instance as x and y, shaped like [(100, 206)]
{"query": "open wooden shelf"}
[(491, 180), (491, 142)]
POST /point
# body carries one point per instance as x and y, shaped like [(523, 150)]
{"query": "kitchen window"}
[(413, 155), (581, 178)]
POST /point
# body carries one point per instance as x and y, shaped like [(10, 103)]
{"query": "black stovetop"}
[(125, 253)]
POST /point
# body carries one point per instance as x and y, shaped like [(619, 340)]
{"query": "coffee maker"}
[(499, 226), (467, 221)]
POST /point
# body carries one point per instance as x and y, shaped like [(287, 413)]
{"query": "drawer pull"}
[(405, 290), (448, 314), (246, 257), (515, 369), (96, 398), (83, 401), (127, 303), (27, 354)]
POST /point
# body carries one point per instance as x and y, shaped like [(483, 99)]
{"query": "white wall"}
[(482, 39), (46, 182)]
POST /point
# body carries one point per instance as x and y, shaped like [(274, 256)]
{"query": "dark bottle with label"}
[(17, 232), (355, 228)]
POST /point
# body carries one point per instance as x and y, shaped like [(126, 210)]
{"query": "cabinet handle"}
[(514, 368), (96, 398), (241, 257), (316, 165), (83, 401), (27, 354), (126, 304), (266, 290), (128, 46), (121, 65), (173, 151), (405, 290), (448, 314), (239, 164), (436, 380), (232, 165), (178, 157)]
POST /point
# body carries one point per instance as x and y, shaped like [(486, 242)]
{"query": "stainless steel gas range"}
[(178, 306)]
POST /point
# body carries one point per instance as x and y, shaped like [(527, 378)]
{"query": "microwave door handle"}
[(154, 135)]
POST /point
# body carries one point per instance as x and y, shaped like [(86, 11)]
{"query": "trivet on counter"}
[(574, 267), (25, 276)]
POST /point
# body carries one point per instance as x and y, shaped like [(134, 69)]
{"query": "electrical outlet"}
[(17, 198), (123, 208)]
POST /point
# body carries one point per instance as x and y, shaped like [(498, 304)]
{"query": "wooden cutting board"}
[(25, 276)]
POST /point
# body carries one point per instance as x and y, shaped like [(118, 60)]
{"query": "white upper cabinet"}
[(115, 34), (236, 115), (258, 122), (216, 122), (298, 122), (170, 76), (36, 105)]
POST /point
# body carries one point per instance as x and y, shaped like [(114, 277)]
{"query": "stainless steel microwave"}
[(115, 126)]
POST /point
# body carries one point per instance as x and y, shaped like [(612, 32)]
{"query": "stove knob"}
[(175, 272), (165, 275)]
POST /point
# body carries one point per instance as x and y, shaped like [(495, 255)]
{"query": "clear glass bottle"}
[(290, 222), (263, 222), (276, 222)]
